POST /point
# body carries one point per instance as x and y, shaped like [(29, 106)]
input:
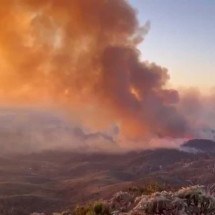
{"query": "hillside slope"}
[(53, 181)]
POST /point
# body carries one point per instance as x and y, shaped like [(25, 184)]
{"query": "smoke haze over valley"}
[(84, 113)]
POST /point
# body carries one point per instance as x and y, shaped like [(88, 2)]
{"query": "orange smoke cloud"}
[(83, 55)]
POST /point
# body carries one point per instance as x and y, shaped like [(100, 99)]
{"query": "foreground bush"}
[(187, 201), (195, 200), (97, 208)]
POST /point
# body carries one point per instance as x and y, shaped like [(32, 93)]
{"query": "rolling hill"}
[(52, 181)]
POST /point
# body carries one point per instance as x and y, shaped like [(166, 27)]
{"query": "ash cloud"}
[(199, 110), (29, 131), (83, 57)]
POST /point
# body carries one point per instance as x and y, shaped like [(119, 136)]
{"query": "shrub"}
[(97, 208), (147, 189), (194, 200), (188, 201)]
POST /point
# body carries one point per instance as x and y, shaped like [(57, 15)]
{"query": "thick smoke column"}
[(83, 56)]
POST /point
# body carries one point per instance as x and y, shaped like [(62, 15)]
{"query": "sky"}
[(181, 39)]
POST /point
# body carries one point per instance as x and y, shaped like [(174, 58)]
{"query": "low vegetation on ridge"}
[(193, 200)]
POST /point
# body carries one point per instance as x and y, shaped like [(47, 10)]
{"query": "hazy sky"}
[(182, 38)]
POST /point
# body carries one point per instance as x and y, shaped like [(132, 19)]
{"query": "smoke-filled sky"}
[(86, 59), (181, 38)]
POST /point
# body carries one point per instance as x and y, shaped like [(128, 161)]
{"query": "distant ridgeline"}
[(200, 145)]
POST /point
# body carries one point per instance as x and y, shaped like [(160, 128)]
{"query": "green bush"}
[(97, 208)]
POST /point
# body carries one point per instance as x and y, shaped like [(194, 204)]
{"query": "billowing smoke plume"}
[(83, 56)]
